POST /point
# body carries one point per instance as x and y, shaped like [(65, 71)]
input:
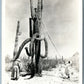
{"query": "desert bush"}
[(8, 63), (48, 64), (24, 64)]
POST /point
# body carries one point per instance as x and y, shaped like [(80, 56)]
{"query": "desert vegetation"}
[(46, 64)]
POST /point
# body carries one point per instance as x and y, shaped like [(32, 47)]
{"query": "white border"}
[(3, 43)]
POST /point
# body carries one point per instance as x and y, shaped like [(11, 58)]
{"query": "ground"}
[(54, 76)]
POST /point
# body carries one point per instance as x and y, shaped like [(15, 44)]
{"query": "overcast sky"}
[(61, 20)]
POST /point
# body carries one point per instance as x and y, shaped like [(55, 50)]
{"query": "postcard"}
[(42, 42)]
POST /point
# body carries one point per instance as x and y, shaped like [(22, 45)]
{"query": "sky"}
[(60, 18)]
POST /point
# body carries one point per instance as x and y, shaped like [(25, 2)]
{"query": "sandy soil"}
[(48, 77)]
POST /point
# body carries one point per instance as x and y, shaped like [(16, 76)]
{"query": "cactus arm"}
[(46, 49), (21, 47), (27, 52)]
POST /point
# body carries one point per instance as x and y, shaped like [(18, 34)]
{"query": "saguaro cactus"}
[(35, 39), (15, 68), (16, 39)]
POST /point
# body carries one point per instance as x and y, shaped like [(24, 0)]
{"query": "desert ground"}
[(53, 76)]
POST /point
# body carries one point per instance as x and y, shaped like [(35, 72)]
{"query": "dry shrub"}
[(8, 63), (48, 64)]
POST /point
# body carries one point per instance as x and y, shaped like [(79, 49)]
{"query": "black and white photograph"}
[(42, 42)]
